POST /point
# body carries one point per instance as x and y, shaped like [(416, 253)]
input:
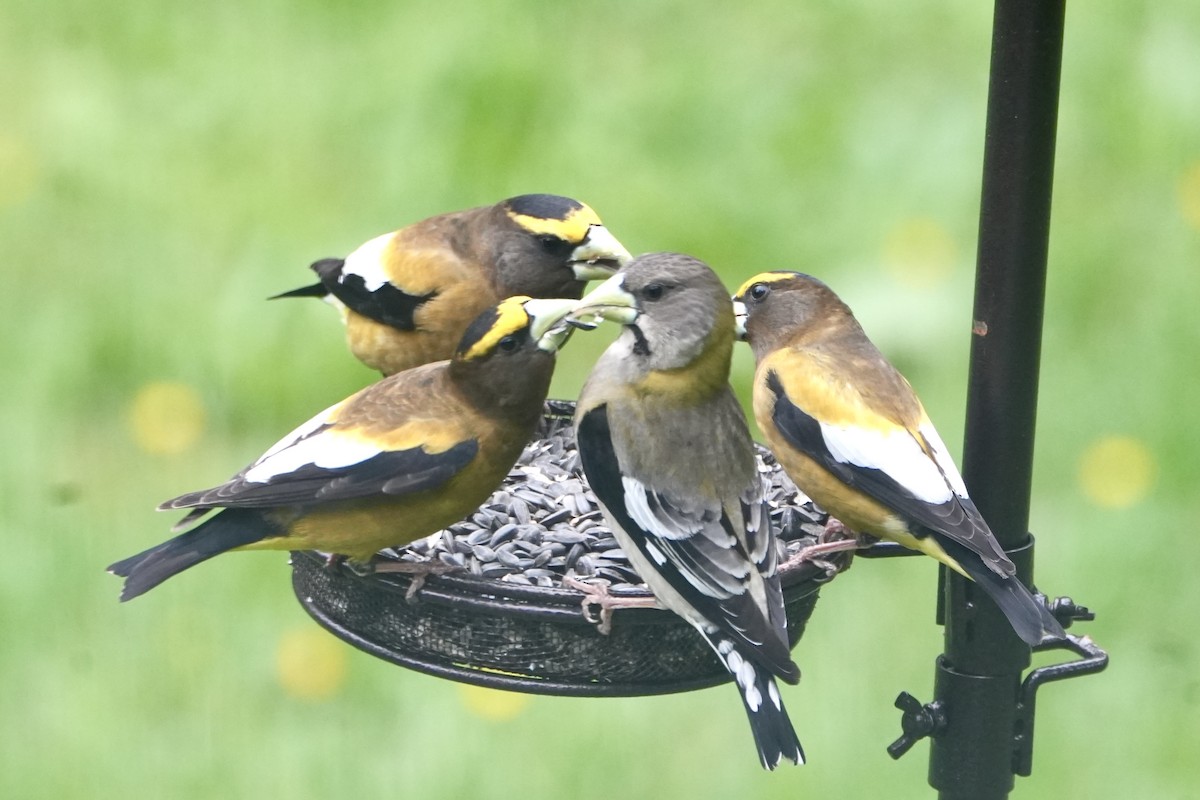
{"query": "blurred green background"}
[(164, 167)]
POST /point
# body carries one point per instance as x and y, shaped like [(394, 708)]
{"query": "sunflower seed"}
[(562, 515), (503, 534), (508, 558), (544, 522)]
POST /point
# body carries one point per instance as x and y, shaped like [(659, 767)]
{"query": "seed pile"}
[(544, 523)]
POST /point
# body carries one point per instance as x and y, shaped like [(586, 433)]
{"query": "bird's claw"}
[(834, 531), (595, 593), (419, 570), (835, 538)]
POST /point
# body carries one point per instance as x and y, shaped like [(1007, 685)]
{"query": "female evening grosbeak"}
[(851, 433), (665, 446), (398, 460), (407, 296)]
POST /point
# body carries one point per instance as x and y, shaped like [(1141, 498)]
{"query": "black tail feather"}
[(774, 736), (229, 529), (316, 290), (1028, 616)]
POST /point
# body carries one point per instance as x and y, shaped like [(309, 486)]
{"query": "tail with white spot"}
[(774, 736)]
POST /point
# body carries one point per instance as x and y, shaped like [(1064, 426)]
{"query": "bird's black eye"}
[(551, 243), (653, 291), (759, 291), (508, 343)]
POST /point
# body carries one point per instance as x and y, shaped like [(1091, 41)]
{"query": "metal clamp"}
[(930, 719), (1092, 659), (919, 720)]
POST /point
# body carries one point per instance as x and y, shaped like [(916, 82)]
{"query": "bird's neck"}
[(699, 380), (512, 396), (830, 331)]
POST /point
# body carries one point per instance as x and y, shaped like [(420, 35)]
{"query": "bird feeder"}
[(509, 623), (517, 635)]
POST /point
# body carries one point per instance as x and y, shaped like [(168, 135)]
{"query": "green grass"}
[(165, 166)]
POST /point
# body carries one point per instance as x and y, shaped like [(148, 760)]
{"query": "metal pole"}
[(979, 674)]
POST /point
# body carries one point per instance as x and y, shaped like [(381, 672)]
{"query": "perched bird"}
[(407, 296), (850, 431), (399, 460), (666, 448)]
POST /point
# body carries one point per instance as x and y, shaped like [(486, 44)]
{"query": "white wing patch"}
[(656, 554), (943, 459), (367, 262), (895, 453), (641, 513), (326, 450), (301, 431)]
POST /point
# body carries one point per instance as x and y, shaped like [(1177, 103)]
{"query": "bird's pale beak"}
[(610, 300), (599, 255), (739, 318), (548, 324)]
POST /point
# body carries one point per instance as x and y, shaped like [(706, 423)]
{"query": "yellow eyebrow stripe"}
[(573, 229), (510, 318), (763, 277)]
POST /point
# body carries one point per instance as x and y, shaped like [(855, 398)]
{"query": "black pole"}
[(979, 674)]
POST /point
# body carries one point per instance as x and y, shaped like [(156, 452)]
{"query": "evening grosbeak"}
[(407, 296), (850, 432), (398, 460), (665, 446)]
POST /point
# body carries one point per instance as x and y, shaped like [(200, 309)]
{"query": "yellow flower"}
[(310, 663), (1117, 471), (492, 704), (166, 418), (919, 253)]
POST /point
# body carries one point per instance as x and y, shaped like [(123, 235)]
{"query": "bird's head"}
[(506, 357), (551, 246), (776, 307), (674, 308), (517, 325)]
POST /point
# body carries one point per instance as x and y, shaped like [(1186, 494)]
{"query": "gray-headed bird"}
[(850, 432), (399, 460), (666, 448), (406, 297)]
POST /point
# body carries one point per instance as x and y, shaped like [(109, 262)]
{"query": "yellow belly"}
[(390, 350)]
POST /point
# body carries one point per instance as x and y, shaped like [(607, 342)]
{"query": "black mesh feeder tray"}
[(502, 617)]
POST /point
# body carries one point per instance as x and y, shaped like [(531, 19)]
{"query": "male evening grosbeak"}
[(850, 431), (407, 296), (398, 460), (665, 446)]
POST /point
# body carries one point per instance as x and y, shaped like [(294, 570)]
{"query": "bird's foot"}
[(835, 531), (836, 538), (595, 593), (419, 570)]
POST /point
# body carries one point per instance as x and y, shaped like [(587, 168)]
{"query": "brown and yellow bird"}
[(407, 296), (399, 460), (850, 431)]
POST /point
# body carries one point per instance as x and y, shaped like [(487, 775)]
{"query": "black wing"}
[(388, 304), (957, 518), (393, 473)]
